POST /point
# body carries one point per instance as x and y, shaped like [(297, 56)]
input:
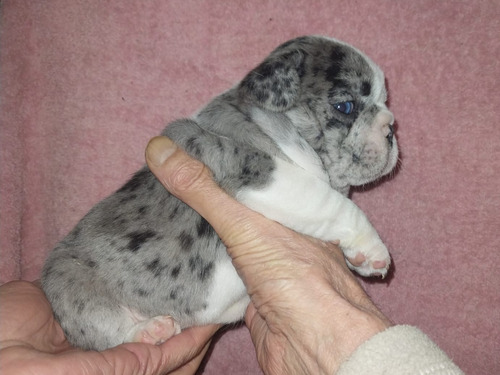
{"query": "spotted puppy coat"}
[(288, 141)]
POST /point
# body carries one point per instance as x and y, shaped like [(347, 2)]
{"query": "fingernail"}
[(159, 149)]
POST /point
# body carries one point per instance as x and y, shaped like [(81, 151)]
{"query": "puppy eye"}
[(344, 107)]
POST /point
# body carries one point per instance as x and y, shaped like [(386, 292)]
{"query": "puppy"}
[(288, 141)]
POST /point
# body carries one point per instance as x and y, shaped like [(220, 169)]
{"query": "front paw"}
[(373, 260)]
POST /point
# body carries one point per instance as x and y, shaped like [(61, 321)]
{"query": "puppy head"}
[(335, 96)]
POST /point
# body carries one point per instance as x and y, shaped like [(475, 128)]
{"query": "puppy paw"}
[(372, 262), (154, 331)]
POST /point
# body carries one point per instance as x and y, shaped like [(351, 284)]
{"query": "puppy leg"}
[(307, 204), (88, 307)]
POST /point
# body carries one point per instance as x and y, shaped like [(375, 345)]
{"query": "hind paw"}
[(154, 331)]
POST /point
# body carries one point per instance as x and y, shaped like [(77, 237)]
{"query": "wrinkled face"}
[(339, 96)]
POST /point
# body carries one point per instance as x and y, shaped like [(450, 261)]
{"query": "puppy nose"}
[(390, 135), (385, 122)]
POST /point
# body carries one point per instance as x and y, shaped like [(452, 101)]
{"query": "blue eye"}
[(344, 107)]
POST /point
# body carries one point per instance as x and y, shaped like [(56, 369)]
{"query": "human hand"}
[(32, 342), (307, 313)]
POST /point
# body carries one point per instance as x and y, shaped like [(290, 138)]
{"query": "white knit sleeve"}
[(399, 350)]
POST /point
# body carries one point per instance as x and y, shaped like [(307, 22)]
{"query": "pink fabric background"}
[(86, 83)]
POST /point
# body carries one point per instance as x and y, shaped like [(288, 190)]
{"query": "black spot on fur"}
[(253, 167), (80, 306), (186, 241), (177, 211), (262, 95), (248, 170), (142, 210), (176, 271), (127, 198), (90, 263), (82, 331), (276, 88), (153, 183), (155, 267), (173, 294), (193, 147), (75, 233), (204, 229), (366, 88), (280, 101), (335, 123), (141, 292), (333, 71), (266, 70), (206, 271), (338, 88), (174, 212), (301, 69), (220, 146), (200, 268), (195, 262), (137, 239)]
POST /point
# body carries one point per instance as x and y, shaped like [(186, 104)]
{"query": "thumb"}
[(191, 181)]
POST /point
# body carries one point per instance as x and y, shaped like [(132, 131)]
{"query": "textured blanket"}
[(86, 83)]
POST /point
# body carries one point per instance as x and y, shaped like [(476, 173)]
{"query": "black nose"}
[(390, 135)]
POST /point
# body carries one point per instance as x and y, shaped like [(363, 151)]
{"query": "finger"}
[(145, 359), (192, 366), (189, 343), (26, 318), (184, 351), (191, 181)]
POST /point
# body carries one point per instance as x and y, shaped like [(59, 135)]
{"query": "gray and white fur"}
[(288, 141)]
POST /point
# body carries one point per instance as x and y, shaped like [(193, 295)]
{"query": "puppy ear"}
[(275, 83)]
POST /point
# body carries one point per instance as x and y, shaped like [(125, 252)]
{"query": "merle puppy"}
[(288, 141)]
